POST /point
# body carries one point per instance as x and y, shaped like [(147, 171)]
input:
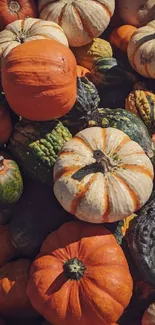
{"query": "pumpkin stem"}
[(103, 160), (14, 6), (74, 269), (1, 163)]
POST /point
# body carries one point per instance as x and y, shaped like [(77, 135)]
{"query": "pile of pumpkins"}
[(77, 158)]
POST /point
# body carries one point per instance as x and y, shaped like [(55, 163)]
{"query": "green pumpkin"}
[(36, 146), (87, 102), (11, 183), (141, 240), (124, 121), (109, 72)]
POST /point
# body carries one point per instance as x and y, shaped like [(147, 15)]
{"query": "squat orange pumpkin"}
[(39, 79), (81, 276), (120, 37), (11, 10)]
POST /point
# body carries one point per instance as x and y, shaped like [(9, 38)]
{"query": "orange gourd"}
[(7, 251), (82, 72), (80, 276), (11, 10), (39, 79), (5, 125), (120, 37)]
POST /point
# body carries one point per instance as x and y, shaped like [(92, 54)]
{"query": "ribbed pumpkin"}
[(142, 103), (149, 315), (21, 31), (13, 281), (141, 50), (43, 73), (86, 55), (102, 176), (121, 35), (36, 147), (8, 251), (81, 21), (77, 285), (11, 10), (11, 183), (5, 124)]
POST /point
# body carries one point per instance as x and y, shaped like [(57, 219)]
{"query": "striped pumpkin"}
[(141, 50), (101, 175), (21, 31), (81, 20)]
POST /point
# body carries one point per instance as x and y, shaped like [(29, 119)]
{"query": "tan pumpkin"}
[(136, 12), (102, 176), (80, 20), (149, 315), (86, 55), (21, 31), (141, 50)]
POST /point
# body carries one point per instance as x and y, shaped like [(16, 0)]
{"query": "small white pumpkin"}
[(81, 20), (29, 29), (141, 50), (149, 315), (137, 12), (102, 176)]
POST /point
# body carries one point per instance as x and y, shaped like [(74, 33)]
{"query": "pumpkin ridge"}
[(104, 6), (107, 206), (139, 168), (60, 15), (86, 144), (122, 143), (85, 26), (66, 170)]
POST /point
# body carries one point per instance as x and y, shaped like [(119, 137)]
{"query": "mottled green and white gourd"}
[(36, 146)]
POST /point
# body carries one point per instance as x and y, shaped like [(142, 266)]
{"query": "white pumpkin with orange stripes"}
[(141, 50), (21, 31), (81, 20), (101, 175)]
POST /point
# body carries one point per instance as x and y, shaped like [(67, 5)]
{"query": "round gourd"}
[(141, 50), (80, 284), (101, 175), (8, 251), (5, 125), (11, 183), (39, 79), (11, 10), (149, 315), (82, 72), (80, 20), (36, 146), (142, 103), (13, 281), (141, 238), (120, 37), (137, 13), (21, 31), (86, 55)]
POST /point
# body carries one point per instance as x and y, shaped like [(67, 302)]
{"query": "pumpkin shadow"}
[(57, 284)]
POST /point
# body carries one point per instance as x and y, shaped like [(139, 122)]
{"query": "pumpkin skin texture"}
[(120, 37), (21, 31), (140, 238), (13, 10), (81, 21), (36, 145), (86, 55), (72, 296), (8, 251), (149, 315), (13, 281), (5, 125), (94, 167), (137, 13), (124, 121), (44, 73), (140, 51), (11, 183)]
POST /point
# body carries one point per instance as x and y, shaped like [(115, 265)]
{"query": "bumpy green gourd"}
[(36, 146)]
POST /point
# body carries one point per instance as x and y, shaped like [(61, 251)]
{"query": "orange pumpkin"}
[(13, 281), (8, 251), (120, 37), (39, 79), (5, 125), (80, 274), (11, 10), (82, 72)]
